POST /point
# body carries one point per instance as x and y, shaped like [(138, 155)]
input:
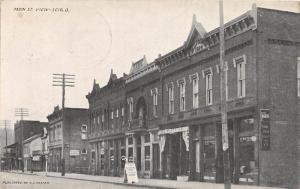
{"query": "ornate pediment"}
[(197, 33)]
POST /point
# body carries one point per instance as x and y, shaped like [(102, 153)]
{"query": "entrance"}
[(156, 160), (175, 157)]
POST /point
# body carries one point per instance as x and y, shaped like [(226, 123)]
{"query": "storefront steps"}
[(149, 183)]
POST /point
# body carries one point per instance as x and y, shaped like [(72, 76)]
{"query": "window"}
[(171, 99), (194, 79), (240, 62), (130, 109), (147, 158), (181, 85), (83, 151), (83, 132), (298, 75), (154, 98), (112, 114), (123, 112), (117, 113), (98, 119), (102, 118), (208, 87)]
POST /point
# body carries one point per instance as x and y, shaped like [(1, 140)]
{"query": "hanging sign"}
[(265, 129), (130, 173)]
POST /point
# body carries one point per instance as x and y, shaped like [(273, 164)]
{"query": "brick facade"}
[(262, 47)]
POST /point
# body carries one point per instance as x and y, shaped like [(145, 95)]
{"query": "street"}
[(15, 181)]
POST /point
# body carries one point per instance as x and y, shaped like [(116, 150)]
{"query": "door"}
[(156, 160)]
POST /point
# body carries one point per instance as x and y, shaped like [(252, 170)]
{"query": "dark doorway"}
[(156, 160)]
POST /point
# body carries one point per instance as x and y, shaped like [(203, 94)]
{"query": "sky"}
[(88, 39)]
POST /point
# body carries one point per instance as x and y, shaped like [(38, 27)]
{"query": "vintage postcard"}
[(149, 94)]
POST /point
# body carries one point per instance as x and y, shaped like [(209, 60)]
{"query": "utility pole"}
[(22, 112), (223, 76), (63, 80), (5, 123)]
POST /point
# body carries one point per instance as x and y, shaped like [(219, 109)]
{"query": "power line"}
[(63, 80), (22, 112)]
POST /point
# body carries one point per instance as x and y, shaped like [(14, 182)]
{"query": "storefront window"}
[(209, 152), (147, 158), (247, 163), (112, 158)]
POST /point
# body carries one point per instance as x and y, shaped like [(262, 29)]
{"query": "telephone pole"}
[(22, 112), (223, 76), (63, 80)]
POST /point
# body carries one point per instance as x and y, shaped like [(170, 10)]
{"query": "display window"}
[(209, 143)]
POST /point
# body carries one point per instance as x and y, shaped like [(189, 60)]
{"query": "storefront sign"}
[(74, 152), (36, 158), (130, 175), (265, 129), (172, 131)]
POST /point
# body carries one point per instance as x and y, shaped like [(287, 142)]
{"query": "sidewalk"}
[(151, 183)]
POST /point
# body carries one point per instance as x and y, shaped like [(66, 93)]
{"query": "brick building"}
[(172, 125), (68, 128), (23, 130), (107, 126)]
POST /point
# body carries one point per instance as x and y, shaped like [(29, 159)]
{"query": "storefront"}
[(243, 149), (174, 145)]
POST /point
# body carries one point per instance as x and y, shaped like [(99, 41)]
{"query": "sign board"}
[(265, 129), (130, 173), (36, 158), (74, 152)]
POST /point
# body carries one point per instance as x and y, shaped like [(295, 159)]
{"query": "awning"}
[(14, 145)]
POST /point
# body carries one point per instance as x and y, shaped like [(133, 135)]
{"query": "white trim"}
[(171, 84), (192, 76), (204, 71), (179, 81), (236, 58)]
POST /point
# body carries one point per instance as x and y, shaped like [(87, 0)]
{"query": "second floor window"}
[(195, 86), (83, 132), (154, 98), (117, 113), (182, 96), (130, 109), (241, 79), (208, 87), (171, 99)]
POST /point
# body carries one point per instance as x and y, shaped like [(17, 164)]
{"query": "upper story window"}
[(154, 93), (58, 132), (171, 98), (117, 113), (195, 89), (112, 114), (83, 132), (240, 63), (98, 119), (122, 112), (130, 102), (181, 84), (298, 75), (207, 74)]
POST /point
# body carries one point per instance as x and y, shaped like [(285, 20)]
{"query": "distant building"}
[(32, 153), (25, 129), (67, 128), (172, 120)]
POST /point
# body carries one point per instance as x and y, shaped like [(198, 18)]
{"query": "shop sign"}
[(265, 129), (130, 173), (36, 158), (172, 131), (74, 152), (246, 139)]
